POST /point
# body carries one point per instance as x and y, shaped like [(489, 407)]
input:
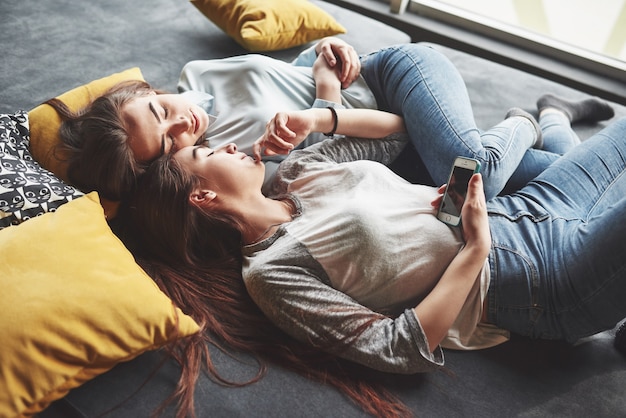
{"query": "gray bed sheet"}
[(48, 47)]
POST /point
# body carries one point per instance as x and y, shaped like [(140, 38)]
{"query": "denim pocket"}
[(514, 300), (513, 208)]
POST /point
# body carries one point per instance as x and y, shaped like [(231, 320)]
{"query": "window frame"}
[(474, 22)]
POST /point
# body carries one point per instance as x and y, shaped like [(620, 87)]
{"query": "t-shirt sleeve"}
[(288, 286), (344, 149), (306, 58)]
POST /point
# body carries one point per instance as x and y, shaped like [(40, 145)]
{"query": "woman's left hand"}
[(284, 132), (339, 53), (475, 222), (474, 217)]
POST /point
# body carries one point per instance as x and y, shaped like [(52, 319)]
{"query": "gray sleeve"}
[(289, 287), (332, 151), (345, 149)]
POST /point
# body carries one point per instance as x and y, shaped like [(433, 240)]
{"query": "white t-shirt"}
[(245, 92)]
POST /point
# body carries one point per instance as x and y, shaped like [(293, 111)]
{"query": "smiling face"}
[(224, 170), (160, 123)]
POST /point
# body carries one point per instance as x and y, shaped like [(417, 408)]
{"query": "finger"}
[(352, 71), (435, 203), (274, 140), (261, 142), (281, 137), (281, 130), (349, 75), (475, 189), (346, 63), (278, 145), (257, 147), (329, 55)]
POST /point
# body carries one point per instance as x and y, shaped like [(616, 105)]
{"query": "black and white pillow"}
[(26, 189)]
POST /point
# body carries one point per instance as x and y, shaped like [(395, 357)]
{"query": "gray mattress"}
[(49, 47)]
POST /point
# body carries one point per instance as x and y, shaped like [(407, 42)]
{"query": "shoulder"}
[(240, 63), (279, 261)]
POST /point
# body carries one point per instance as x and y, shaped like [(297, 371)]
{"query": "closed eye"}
[(194, 152)]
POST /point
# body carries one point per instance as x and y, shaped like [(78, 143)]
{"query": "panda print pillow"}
[(26, 189)]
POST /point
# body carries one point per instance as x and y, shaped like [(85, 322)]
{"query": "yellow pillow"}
[(74, 304), (45, 123), (269, 25)]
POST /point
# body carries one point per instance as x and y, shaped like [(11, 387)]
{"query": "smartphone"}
[(456, 190)]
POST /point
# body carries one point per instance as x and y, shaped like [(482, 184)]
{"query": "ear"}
[(202, 197)]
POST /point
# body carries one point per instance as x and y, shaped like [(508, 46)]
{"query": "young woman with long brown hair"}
[(206, 283), (349, 260)]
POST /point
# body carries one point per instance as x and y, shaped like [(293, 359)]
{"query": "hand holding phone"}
[(456, 190)]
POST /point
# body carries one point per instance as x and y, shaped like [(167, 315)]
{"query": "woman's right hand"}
[(284, 132)]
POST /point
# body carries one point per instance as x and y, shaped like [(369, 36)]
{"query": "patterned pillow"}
[(26, 189)]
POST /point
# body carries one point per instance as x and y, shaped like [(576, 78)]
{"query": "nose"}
[(180, 125), (230, 148)]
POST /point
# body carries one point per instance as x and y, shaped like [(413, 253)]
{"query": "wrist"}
[(327, 79), (476, 249), (328, 90), (335, 121)]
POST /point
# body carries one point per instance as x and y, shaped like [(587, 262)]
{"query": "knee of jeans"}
[(492, 187)]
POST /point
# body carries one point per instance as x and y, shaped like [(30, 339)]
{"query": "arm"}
[(327, 83), (288, 129), (362, 123), (439, 309), (289, 287)]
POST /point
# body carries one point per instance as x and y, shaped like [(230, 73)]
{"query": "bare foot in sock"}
[(588, 110)]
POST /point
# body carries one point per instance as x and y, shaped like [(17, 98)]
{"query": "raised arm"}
[(293, 296), (288, 129)]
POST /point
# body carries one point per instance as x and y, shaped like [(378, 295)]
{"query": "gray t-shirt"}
[(364, 242)]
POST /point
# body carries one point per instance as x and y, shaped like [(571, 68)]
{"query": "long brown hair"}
[(195, 257), (94, 142)]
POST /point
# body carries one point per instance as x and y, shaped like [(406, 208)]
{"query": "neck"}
[(265, 216)]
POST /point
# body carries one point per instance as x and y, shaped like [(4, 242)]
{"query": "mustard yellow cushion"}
[(269, 25), (74, 304), (45, 123)]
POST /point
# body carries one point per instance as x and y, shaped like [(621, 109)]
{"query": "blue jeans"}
[(558, 261), (423, 86), (558, 138)]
